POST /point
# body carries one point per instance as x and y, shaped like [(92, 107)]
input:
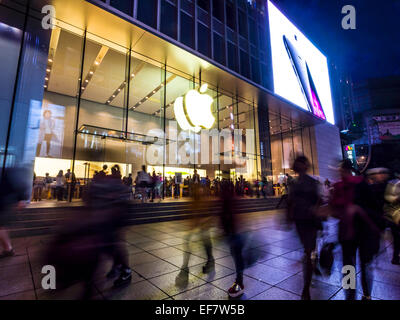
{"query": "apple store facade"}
[(96, 89)]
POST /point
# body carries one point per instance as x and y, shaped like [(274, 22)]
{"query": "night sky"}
[(372, 50)]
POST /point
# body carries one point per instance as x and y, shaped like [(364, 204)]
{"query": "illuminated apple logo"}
[(193, 110)]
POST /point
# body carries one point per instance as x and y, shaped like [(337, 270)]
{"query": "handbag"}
[(326, 257), (392, 213)]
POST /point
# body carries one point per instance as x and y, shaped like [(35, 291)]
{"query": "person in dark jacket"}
[(303, 200), (13, 191), (77, 249), (360, 219), (230, 225)]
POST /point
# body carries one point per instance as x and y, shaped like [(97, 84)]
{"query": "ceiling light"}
[(113, 95), (86, 80), (48, 70), (132, 75), (119, 89), (46, 79), (91, 72), (45, 86), (96, 63), (50, 60), (154, 91)]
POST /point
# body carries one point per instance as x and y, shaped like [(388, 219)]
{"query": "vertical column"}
[(127, 91), (281, 135), (291, 132), (255, 139), (79, 101), (13, 101), (264, 138), (164, 127), (311, 150), (219, 140)]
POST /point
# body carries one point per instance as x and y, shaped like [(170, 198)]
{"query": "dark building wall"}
[(232, 34), (378, 93)]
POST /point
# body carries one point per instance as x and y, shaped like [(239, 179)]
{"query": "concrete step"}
[(30, 222)]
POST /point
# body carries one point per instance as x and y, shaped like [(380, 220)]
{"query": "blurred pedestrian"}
[(60, 185), (71, 184), (13, 191), (284, 195), (303, 201), (359, 217), (230, 226), (77, 249), (392, 214), (199, 225)]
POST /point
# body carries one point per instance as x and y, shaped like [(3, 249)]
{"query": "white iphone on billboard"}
[(300, 70)]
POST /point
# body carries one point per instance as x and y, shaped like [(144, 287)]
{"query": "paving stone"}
[(219, 271), (176, 282), (319, 290), (154, 269), (143, 290), (204, 292), (275, 293), (268, 274), (252, 286)]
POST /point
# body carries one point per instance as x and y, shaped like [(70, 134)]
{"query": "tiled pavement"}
[(156, 252)]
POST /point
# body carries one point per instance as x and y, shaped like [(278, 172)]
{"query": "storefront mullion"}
[(164, 128), (78, 106)]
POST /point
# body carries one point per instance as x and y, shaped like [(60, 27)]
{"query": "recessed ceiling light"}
[(113, 95), (48, 70), (119, 89), (96, 63), (50, 60), (132, 75), (45, 86), (91, 72), (86, 80), (154, 91), (46, 78)]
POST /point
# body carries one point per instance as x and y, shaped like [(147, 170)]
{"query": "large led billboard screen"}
[(300, 70)]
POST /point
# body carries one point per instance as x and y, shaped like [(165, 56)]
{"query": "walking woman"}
[(60, 184), (360, 223), (303, 200)]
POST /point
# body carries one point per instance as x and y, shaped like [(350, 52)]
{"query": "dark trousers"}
[(71, 191), (396, 240), (205, 238), (60, 193), (117, 250), (307, 231), (236, 244), (282, 199), (349, 251)]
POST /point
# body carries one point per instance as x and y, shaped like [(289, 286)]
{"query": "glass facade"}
[(208, 27), (73, 100)]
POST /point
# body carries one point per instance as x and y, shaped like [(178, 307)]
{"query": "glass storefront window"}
[(102, 104)]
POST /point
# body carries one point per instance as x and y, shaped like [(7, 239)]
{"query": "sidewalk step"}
[(41, 221)]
